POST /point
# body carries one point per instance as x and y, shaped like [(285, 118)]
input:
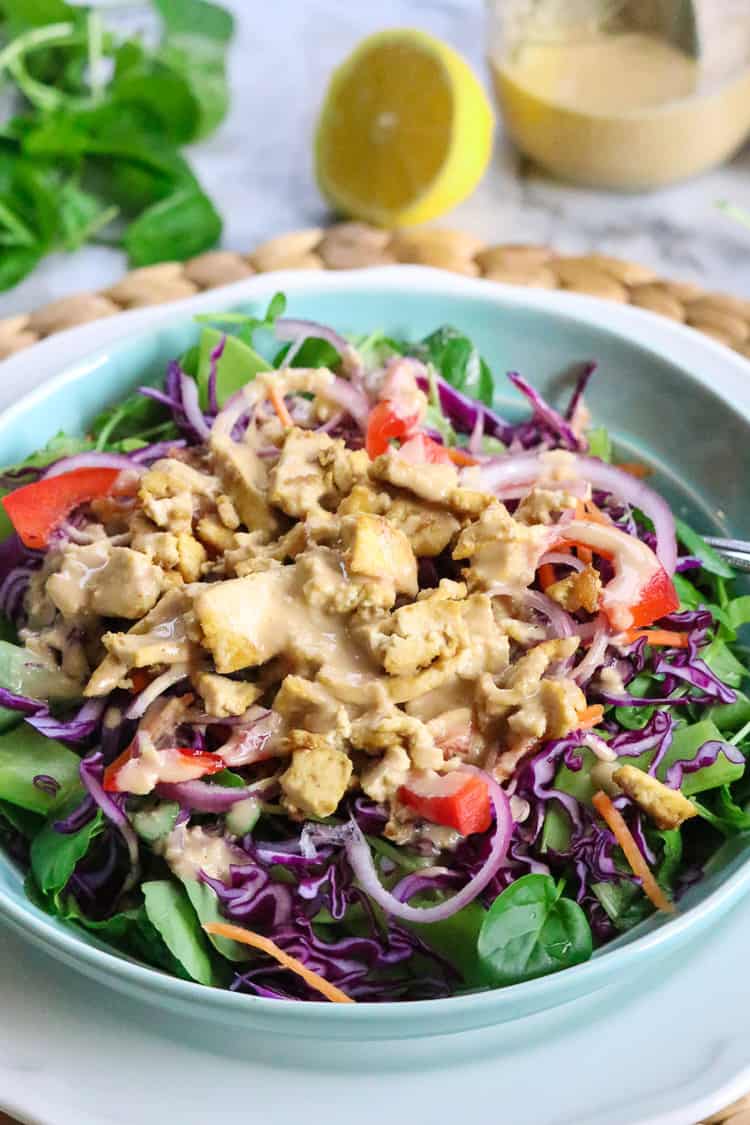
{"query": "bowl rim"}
[(700, 359)]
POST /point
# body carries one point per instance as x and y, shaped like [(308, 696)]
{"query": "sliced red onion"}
[(562, 623), (90, 460), (557, 558), (354, 401), (191, 405), (530, 468), (297, 331), (247, 746), (596, 653), (153, 690), (157, 450), (202, 797), (361, 861)]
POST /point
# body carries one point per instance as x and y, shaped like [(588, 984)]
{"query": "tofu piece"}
[(241, 619), (215, 534), (307, 704), (500, 549), (158, 546), (377, 550), (68, 588), (668, 808), (160, 632), (316, 779), (578, 591), (428, 527), (550, 712), (382, 781), (245, 481), (127, 586), (192, 556), (430, 482), (110, 581), (419, 633), (298, 481), (541, 504), (388, 727), (223, 697), (170, 491)]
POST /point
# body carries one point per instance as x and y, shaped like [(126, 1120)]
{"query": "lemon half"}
[(405, 131)]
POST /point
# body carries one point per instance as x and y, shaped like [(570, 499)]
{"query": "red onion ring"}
[(593, 658), (529, 469), (91, 460), (360, 859), (562, 623)]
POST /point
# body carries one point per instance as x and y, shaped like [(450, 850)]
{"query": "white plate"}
[(73, 1053)]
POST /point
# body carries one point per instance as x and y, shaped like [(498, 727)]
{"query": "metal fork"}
[(735, 551)]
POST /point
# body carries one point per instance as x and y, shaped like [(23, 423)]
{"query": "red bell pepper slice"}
[(457, 800), (37, 509), (207, 762), (389, 419), (658, 598)]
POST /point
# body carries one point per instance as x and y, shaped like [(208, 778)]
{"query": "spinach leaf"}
[(169, 910), (313, 353), (738, 611), (136, 416), (205, 903), (456, 939), (24, 753), (724, 663), (25, 822), (54, 855), (459, 363), (180, 226), (624, 903), (531, 930), (697, 546)]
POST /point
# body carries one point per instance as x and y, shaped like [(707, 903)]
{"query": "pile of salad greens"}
[(92, 151), (564, 887)]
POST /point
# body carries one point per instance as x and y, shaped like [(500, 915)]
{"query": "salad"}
[(322, 680)]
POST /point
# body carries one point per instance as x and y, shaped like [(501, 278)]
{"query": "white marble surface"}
[(258, 166)]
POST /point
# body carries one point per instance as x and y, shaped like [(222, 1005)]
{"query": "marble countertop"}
[(258, 166)]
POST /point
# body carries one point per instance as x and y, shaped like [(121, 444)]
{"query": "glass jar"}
[(626, 94)]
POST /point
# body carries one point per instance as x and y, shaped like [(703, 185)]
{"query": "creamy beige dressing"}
[(188, 851), (619, 109)]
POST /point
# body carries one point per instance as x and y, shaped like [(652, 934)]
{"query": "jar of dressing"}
[(628, 94)]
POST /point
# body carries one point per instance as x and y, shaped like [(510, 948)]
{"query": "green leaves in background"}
[(83, 150)]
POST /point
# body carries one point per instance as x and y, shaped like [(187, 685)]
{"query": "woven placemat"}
[(355, 246)]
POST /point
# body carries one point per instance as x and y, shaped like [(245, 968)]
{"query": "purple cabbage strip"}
[(216, 354), (706, 756), (79, 728), (580, 388), (547, 416), (47, 784), (157, 450), (462, 412), (180, 396), (698, 675), (656, 735), (112, 804)]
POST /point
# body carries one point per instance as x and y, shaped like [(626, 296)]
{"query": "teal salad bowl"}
[(668, 396)]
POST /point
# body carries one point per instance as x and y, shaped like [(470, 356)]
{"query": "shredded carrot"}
[(664, 637), (279, 406), (265, 945), (594, 514), (546, 575), (635, 469), (590, 716), (614, 820), (460, 456)]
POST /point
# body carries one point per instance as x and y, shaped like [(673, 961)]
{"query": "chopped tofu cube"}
[(578, 591), (375, 549), (192, 557), (304, 703), (428, 528), (298, 481), (240, 619), (127, 586), (429, 482), (244, 479), (668, 808), (317, 778), (223, 697)]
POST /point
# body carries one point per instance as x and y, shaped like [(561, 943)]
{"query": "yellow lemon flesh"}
[(405, 131)]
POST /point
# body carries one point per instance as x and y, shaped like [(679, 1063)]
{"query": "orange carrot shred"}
[(460, 457), (590, 716), (614, 820), (635, 469), (547, 575), (585, 554), (265, 945), (665, 637), (279, 406), (594, 515)]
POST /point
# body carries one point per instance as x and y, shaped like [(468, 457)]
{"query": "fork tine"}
[(741, 545)]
